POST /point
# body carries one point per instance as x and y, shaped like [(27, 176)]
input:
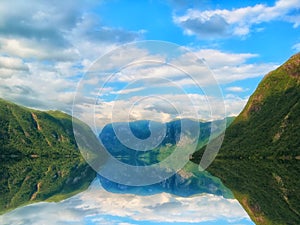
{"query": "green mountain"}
[(269, 124), (39, 158), (259, 158)]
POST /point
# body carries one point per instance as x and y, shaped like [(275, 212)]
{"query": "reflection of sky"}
[(97, 206)]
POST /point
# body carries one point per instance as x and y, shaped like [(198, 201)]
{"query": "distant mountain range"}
[(259, 158), (166, 140)]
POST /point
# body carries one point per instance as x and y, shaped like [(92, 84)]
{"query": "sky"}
[(119, 60), (48, 50), (96, 206)]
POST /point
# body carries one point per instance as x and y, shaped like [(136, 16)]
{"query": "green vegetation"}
[(39, 158), (259, 158), (27, 132), (267, 189)]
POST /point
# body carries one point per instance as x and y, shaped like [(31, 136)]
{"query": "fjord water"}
[(99, 206), (187, 197)]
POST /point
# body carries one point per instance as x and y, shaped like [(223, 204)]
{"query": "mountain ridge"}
[(287, 72), (259, 158)]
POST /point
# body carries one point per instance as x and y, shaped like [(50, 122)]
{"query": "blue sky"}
[(272, 38), (46, 48)]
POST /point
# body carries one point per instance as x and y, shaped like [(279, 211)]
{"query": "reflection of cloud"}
[(223, 22), (100, 207)]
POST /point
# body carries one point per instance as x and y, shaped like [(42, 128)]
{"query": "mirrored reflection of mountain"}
[(187, 182), (96, 206)]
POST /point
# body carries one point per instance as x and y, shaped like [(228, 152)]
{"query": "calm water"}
[(98, 206)]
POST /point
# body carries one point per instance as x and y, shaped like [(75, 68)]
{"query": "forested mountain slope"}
[(39, 158), (259, 158)]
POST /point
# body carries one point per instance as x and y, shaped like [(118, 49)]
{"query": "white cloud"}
[(46, 47), (236, 89), (126, 224), (239, 22), (12, 63), (63, 31), (217, 59), (229, 67), (226, 67), (165, 91), (28, 49), (128, 91), (92, 39), (296, 47), (103, 207), (161, 108), (227, 74), (124, 56), (53, 86), (234, 104), (42, 86), (185, 69)]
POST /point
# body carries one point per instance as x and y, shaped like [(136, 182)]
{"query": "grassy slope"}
[(39, 157), (258, 158), (269, 124)]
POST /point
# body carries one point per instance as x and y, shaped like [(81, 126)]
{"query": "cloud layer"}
[(133, 83), (236, 22), (45, 48)]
